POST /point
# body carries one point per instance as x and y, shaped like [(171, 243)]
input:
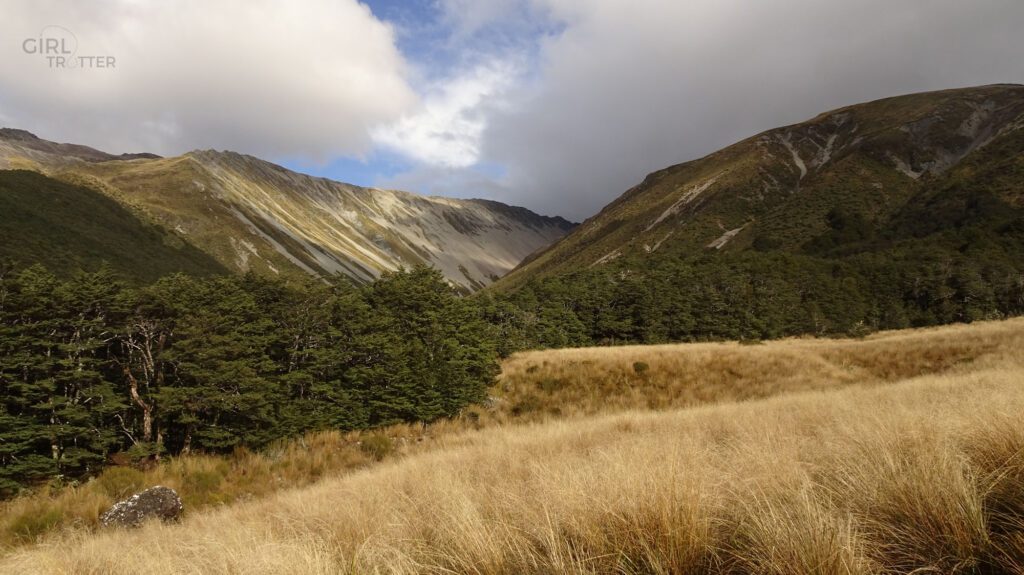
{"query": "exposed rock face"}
[(252, 215), (157, 502)]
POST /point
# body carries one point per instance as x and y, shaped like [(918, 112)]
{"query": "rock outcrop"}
[(157, 502)]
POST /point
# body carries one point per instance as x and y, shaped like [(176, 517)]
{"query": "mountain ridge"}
[(254, 215), (85, 153), (870, 158)]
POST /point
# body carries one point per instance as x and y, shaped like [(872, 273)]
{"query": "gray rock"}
[(157, 502)]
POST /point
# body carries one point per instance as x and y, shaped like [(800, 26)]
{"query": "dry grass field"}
[(578, 382), (900, 453)]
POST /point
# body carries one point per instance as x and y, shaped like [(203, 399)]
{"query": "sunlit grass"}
[(901, 452)]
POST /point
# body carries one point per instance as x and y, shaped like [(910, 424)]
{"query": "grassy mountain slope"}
[(69, 228), (898, 453), (249, 214), (883, 167)]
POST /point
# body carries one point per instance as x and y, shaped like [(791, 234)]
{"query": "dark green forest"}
[(926, 269), (90, 367)]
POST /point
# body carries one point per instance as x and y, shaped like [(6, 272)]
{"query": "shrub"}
[(640, 367), (377, 446), (33, 523), (202, 486), (119, 482)]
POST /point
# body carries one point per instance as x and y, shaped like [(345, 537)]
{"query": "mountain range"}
[(251, 215), (898, 167), (859, 179)]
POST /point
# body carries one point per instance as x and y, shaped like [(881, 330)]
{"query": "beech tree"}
[(90, 367)]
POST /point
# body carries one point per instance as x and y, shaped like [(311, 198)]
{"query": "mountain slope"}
[(249, 214), (905, 212), (877, 169), (69, 228)]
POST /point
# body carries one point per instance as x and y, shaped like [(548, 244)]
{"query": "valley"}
[(783, 457), (799, 354), (512, 287)]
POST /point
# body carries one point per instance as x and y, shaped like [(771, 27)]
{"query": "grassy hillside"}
[(889, 454), (545, 385), (865, 168), (69, 228)]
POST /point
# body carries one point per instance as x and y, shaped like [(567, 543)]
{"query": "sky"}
[(556, 105)]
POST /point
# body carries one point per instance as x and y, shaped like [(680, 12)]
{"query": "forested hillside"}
[(899, 213), (957, 275), (69, 228)]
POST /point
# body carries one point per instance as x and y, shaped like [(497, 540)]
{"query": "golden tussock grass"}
[(543, 384), (829, 472), (204, 480)]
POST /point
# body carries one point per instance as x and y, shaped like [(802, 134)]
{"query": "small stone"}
[(157, 502)]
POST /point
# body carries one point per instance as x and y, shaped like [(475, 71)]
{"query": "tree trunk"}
[(186, 445), (147, 410)]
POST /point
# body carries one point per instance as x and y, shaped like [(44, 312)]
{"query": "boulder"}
[(157, 502)]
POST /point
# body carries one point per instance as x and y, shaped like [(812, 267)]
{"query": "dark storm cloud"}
[(630, 87)]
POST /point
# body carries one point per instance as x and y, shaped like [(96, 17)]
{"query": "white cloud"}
[(269, 77), (446, 130)]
